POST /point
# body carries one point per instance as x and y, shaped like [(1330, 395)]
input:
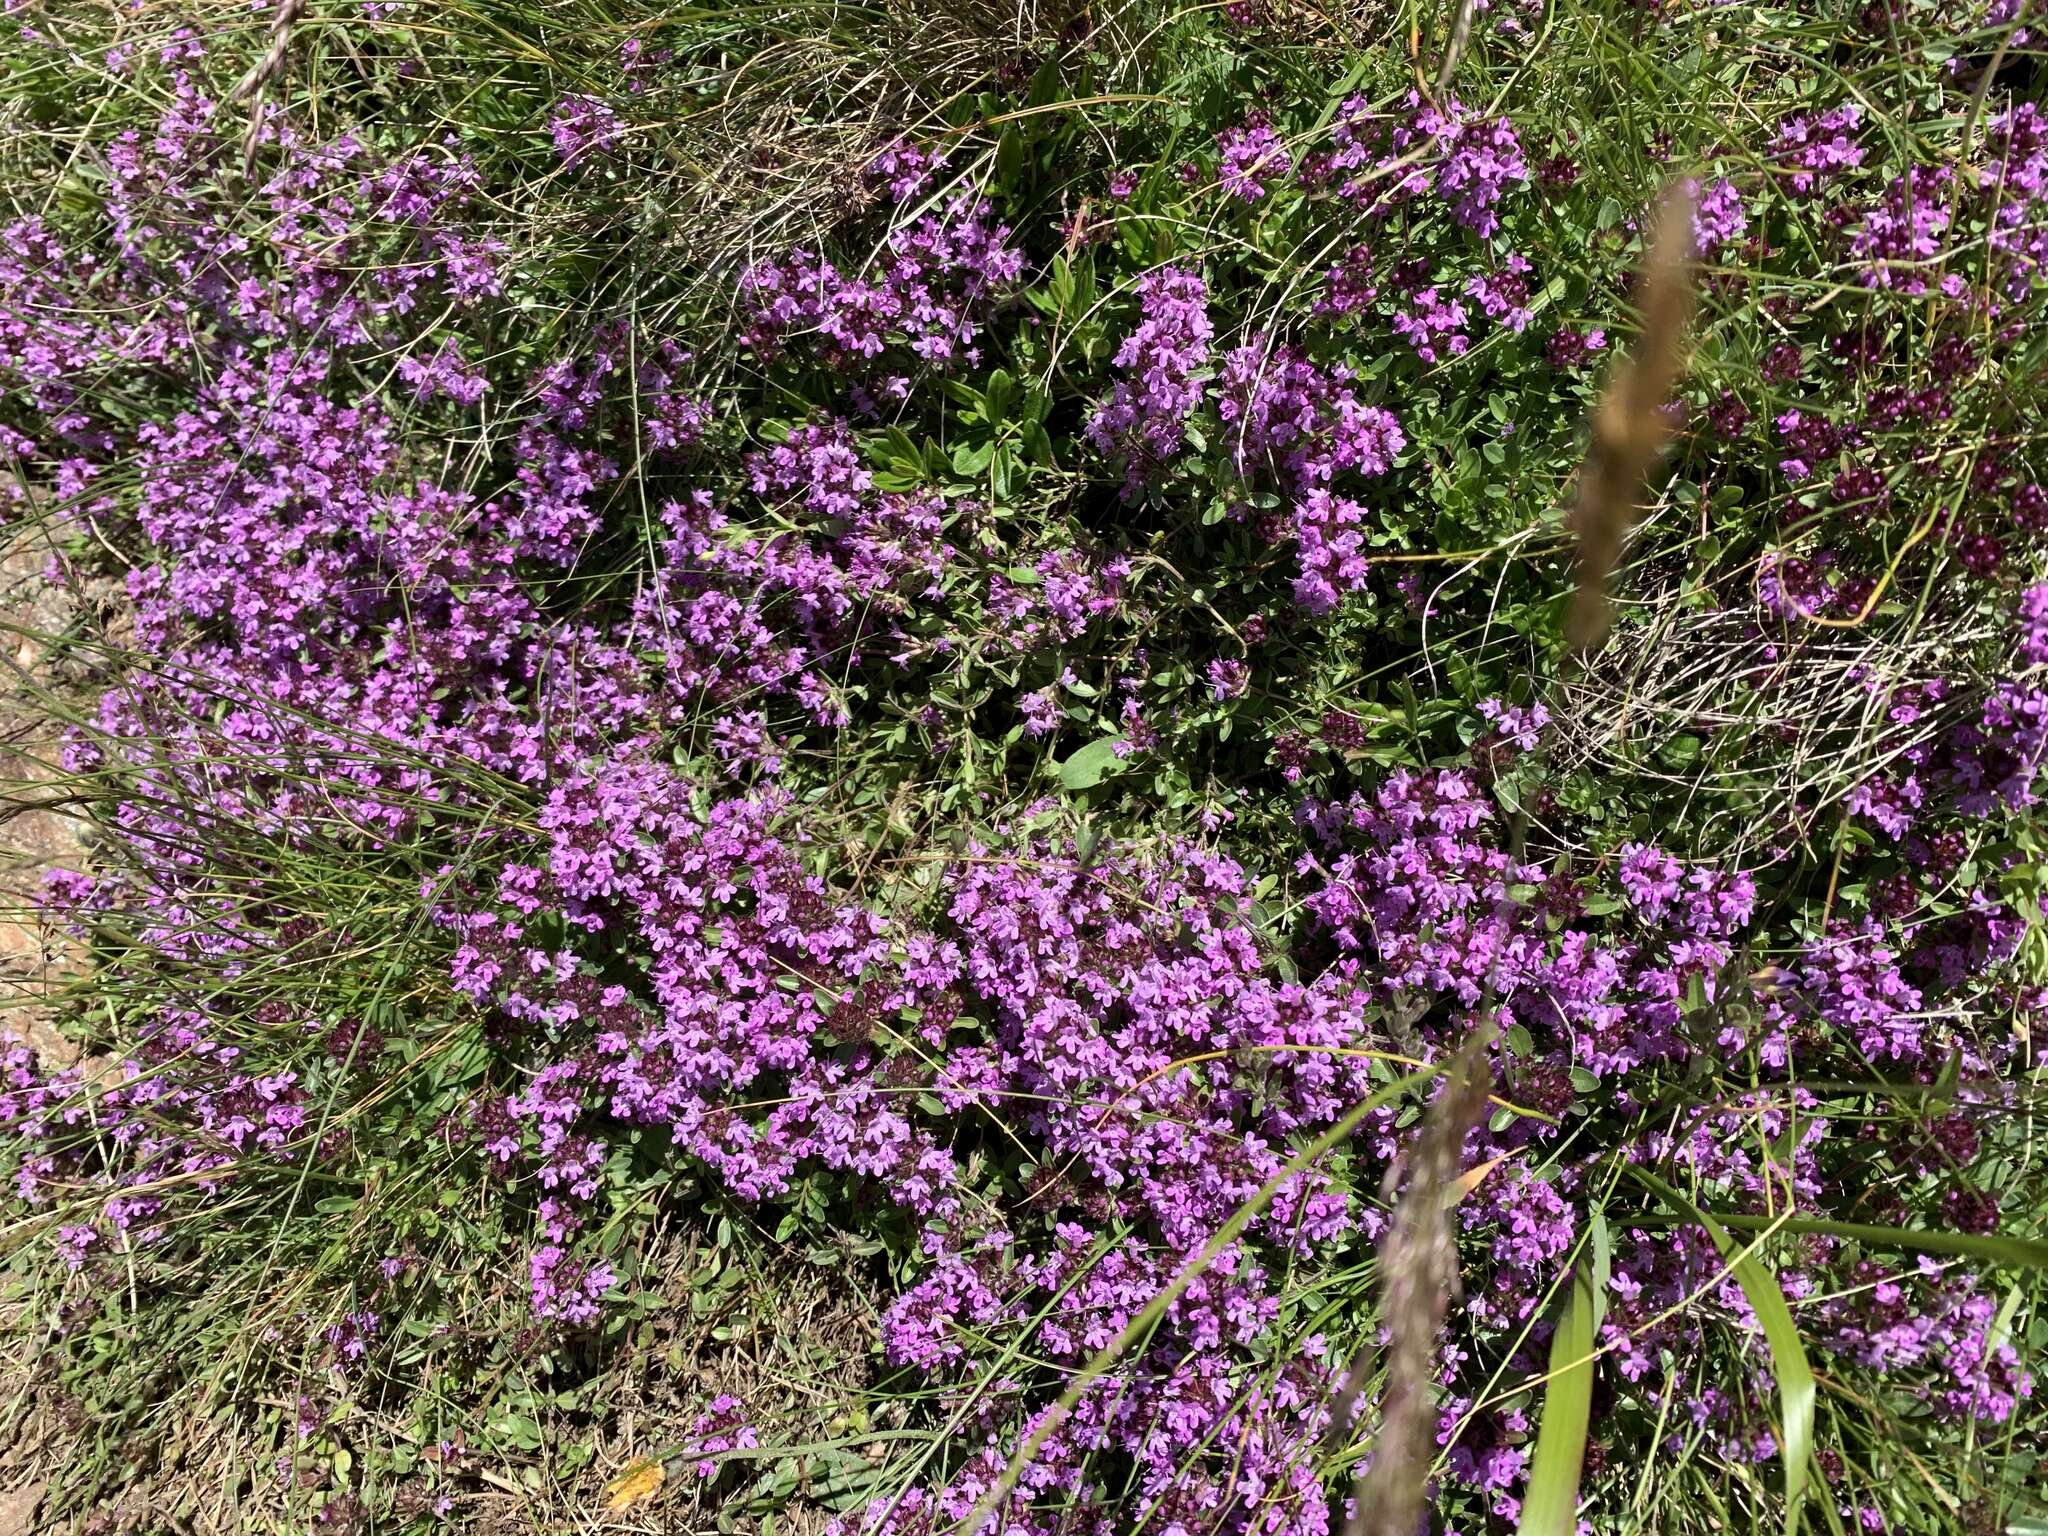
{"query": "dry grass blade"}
[(1630, 425), (769, 157), (1461, 34), (1819, 708), (1419, 1275), (267, 69)]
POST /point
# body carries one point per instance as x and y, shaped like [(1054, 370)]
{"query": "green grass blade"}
[(1551, 1504), (1987, 1247), (1788, 1352)]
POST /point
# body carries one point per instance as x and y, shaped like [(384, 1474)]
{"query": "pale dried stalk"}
[(268, 70), (1461, 34), (1631, 424), (271, 65), (1418, 1277)]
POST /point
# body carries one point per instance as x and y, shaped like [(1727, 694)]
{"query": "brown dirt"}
[(18, 1508), (43, 671)]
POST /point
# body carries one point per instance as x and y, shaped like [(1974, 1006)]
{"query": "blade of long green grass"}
[(1989, 1247), (1551, 1504), (1788, 1351)]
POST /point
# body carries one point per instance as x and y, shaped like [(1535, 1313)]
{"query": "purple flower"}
[(1433, 325), (1228, 679), (73, 1241), (1820, 148), (1040, 711), (906, 169), (1479, 160), (1144, 422), (1252, 156), (580, 125), (1650, 876), (1518, 725), (1901, 233), (1568, 348), (2033, 626), (1717, 217), (1504, 295)]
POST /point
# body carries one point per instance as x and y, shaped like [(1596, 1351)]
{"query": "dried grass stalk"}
[(1418, 1277), (1631, 424), (268, 71), (268, 68)]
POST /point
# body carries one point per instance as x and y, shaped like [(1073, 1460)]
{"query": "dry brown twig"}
[(1631, 424)]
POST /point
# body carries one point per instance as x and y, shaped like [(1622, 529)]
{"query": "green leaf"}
[(1085, 768), (1603, 1267), (1550, 1506), (1788, 1352), (1945, 1082), (1681, 751), (1001, 391), (1009, 156), (1059, 286)]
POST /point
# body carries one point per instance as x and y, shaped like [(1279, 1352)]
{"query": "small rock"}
[(18, 1508)]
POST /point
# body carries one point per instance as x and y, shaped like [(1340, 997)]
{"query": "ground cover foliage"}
[(848, 734)]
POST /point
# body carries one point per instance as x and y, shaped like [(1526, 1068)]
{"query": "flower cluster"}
[(1144, 422), (635, 733), (929, 294), (1251, 155)]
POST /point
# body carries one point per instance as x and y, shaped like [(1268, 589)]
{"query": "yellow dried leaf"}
[(1472, 1178), (640, 1482)]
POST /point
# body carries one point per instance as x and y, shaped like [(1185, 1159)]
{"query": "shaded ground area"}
[(38, 833), (55, 638), (42, 829)]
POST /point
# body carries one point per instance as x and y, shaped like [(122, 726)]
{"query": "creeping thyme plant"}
[(918, 646)]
